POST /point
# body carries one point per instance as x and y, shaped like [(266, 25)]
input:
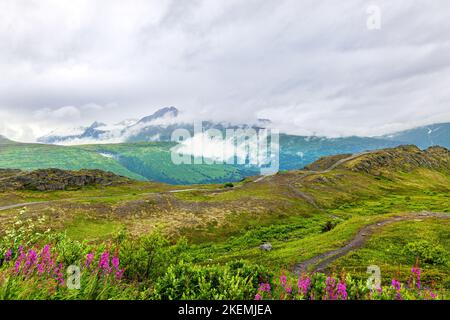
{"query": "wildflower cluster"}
[(321, 287), (106, 264), (31, 262)]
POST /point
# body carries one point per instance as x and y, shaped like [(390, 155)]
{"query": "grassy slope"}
[(140, 161), (153, 161), (231, 224), (38, 156)]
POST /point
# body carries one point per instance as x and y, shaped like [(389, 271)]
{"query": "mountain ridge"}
[(160, 125)]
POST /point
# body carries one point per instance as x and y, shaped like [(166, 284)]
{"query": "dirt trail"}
[(308, 198), (322, 261), (19, 205), (26, 204)]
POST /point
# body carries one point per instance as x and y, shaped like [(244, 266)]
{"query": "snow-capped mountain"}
[(157, 127), (425, 136)]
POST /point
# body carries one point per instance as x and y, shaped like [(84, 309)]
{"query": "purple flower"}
[(331, 288), (396, 284), (8, 255), (115, 262), (342, 291), (288, 290), (58, 274), (283, 280), (264, 287), (258, 297), (415, 277), (303, 285), (89, 259), (103, 264)]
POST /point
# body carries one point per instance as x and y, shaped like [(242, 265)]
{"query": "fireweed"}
[(43, 263), (345, 289), (43, 267)]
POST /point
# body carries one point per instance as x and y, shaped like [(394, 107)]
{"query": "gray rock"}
[(266, 247)]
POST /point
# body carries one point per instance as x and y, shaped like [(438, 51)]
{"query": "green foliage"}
[(70, 251), (148, 257), (357, 289), (328, 226), (39, 156), (187, 281), (23, 231), (318, 285), (426, 252)]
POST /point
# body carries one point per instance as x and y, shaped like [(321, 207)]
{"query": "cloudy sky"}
[(310, 66)]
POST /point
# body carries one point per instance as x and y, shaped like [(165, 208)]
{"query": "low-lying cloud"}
[(312, 67)]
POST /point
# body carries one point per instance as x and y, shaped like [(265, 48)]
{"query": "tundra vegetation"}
[(144, 240)]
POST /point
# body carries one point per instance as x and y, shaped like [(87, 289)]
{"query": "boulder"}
[(266, 247)]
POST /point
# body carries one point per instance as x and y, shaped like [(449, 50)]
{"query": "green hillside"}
[(140, 161), (39, 156), (153, 161), (387, 208)]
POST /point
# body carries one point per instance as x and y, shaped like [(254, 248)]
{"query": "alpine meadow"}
[(250, 152)]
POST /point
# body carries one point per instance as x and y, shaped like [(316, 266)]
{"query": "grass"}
[(38, 156), (82, 228), (226, 224), (387, 250)]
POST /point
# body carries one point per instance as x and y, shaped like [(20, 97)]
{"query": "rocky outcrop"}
[(56, 179), (324, 163), (403, 158)]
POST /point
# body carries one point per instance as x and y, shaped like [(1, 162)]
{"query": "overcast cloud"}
[(310, 66)]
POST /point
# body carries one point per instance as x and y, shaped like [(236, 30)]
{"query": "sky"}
[(312, 67)]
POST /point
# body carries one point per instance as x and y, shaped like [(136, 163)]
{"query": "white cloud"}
[(312, 66), (67, 112)]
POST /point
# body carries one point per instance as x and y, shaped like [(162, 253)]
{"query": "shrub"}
[(148, 257), (188, 281), (426, 252)]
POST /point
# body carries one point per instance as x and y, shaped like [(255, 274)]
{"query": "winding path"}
[(303, 195), (321, 262), (308, 198)]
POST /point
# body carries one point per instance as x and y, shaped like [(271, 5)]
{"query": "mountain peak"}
[(167, 111), (4, 140), (96, 124)]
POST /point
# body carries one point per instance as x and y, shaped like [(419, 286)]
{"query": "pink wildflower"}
[(303, 285), (342, 291), (8, 255), (89, 259), (103, 264)]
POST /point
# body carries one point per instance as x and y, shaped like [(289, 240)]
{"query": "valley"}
[(311, 218)]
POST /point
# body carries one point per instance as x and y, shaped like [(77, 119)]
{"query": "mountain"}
[(425, 136), (139, 161), (160, 125), (152, 160), (299, 151), (146, 154), (4, 141), (157, 127)]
